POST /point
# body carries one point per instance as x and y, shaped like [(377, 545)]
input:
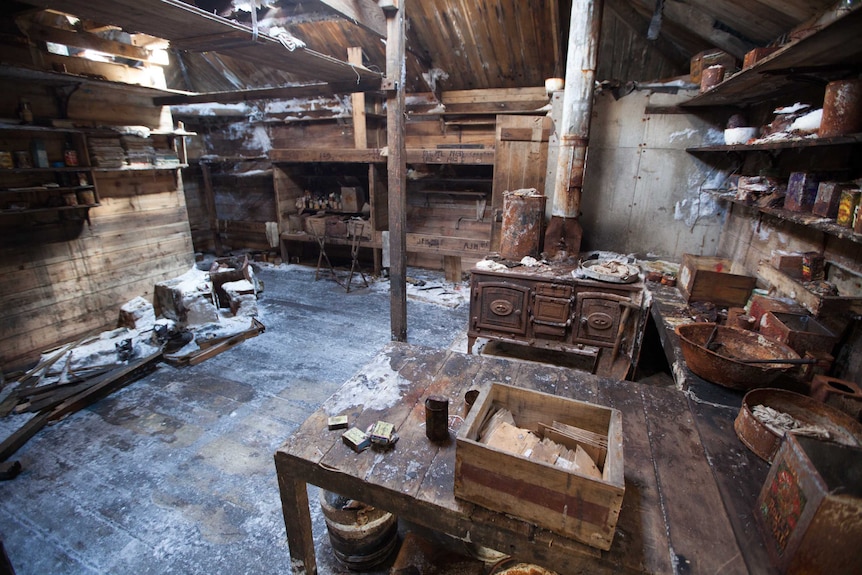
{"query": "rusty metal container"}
[(828, 197), (764, 441), (711, 77), (801, 332), (723, 362), (839, 393), (842, 108), (523, 224), (810, 508)]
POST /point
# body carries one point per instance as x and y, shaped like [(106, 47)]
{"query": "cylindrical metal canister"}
[(847, 207), (361, 536), (523, 224), (842, 108), (712, 76), (437, 418)]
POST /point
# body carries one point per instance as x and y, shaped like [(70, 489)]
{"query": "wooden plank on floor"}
[(700, 533)]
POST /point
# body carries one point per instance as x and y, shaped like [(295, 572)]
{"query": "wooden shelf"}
[(36, 128), (831, 51), (141, 168), (850, 139), (824, 225), (470, 156), (45, 189), (48, 209)]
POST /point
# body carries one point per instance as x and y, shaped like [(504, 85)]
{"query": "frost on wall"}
[(698, 202)]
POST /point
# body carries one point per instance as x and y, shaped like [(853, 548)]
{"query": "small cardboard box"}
[(704, 278), (568, 503)]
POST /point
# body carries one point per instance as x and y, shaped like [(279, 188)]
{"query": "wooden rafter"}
[(192, 29)]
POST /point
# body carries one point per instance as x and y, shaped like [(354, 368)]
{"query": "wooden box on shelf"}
[(569, 503), (713, 279)]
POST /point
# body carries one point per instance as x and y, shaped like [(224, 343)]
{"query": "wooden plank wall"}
[(56, 291), (61, 281)]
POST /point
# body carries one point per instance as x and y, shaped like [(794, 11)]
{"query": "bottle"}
[(25, 112), (70, 155)]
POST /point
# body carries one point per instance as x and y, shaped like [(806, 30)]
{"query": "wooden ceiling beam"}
[(178, 21), (278, 93), (86, 40), (640, 24), (364, 13)]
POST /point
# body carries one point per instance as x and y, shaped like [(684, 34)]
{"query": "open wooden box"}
[(717, 280), (571, 504)]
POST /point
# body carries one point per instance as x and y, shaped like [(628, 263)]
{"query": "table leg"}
[(297, 522)]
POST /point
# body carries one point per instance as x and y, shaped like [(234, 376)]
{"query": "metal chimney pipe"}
[(564, 232)]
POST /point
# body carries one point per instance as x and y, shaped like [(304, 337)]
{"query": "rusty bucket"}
[(523, 224)]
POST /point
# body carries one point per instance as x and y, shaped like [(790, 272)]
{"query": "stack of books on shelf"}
[(106, 152), (139, 151), (166, 159)]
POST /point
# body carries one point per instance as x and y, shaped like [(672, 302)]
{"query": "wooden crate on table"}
[(573, 504), (713, 279)]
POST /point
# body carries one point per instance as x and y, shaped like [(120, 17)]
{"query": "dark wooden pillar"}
[(397, 169)]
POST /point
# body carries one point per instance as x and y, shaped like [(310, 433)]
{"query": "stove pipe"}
[(563, 235)]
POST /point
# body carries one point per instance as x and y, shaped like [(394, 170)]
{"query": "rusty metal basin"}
[(764, 442), (721, 363)]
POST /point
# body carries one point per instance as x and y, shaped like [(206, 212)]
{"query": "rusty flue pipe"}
[(563, 236)]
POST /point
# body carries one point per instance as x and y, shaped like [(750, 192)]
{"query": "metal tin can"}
[(847, 207), (437, 418), (842, 108)]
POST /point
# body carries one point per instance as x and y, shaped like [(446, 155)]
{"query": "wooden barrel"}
[(361, 536)]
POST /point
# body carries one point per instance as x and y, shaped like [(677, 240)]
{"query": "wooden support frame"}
[(397, 172)]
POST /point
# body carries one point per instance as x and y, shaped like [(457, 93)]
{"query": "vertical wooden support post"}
[(209, 202), (357, 101), (397, 171)]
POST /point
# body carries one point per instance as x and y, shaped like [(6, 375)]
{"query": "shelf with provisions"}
[(10, 212), (375, 155), (152, 168), (774, 145), (832, 49), (825, 225)]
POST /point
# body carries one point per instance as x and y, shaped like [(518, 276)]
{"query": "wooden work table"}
[(690, 484)]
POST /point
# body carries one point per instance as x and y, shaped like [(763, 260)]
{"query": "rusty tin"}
[(810, 507), (842, 108), (828, 198), (523, 224)]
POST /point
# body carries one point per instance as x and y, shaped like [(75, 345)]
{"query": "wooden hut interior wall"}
[(288, 106)]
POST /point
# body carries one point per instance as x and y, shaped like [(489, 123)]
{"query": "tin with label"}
[(847, 207)]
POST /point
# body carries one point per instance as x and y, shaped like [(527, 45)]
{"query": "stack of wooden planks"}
[(52, 402)]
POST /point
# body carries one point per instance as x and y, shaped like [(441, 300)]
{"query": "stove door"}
[(501, 307), (598, 318)]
